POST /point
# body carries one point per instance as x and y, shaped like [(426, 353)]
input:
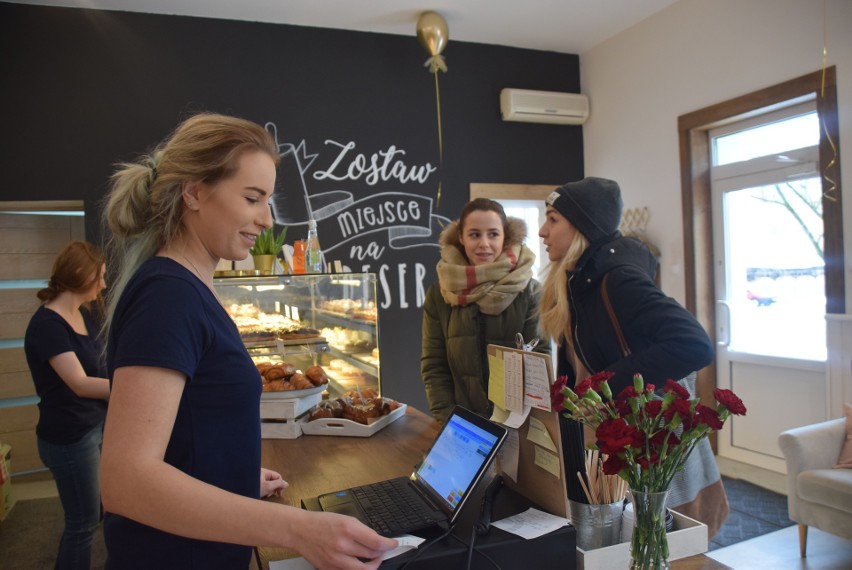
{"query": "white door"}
[(769, 279)]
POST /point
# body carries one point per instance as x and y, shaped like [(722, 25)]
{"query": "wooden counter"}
[(316, 464)]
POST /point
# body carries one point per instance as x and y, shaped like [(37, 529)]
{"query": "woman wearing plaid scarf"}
[(485, 294)]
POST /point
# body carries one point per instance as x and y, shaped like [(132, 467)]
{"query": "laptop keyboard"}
[(392, 507)]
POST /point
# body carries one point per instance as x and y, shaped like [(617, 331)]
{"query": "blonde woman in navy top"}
[(181, 475)]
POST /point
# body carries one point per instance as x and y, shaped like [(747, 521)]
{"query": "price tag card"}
[(513, 368), (536, 384)]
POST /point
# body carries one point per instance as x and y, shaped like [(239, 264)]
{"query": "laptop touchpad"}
[(338, 498)]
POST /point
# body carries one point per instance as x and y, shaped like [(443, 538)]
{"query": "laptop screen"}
[(457, 458)]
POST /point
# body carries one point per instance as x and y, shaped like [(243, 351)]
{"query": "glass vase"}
[(649, 548)]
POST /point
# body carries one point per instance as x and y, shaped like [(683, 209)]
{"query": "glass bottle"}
[(313, 253)]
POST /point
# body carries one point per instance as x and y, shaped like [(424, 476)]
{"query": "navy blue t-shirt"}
[(167, 318), (64, 418)]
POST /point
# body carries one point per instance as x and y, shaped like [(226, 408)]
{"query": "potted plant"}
[(266, 247)]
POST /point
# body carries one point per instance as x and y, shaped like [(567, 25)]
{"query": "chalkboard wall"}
[(354, 114)]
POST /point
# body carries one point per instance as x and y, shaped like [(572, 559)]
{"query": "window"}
[(767, 202)]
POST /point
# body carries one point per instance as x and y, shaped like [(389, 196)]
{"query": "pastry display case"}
[(304, 321)]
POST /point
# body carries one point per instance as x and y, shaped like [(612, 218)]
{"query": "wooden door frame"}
[(511, 191), (693, 129)]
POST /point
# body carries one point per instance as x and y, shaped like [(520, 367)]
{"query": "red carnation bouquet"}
[(647, 439)]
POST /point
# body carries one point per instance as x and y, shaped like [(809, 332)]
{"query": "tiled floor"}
[(33, 490), (779, 550), (754, 511)]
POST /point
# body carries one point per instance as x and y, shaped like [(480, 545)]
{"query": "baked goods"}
[(341, 306), (256, 326), (360, 406), (281, 376), (248, 310), (326, 409), (362, 413), (348, 340), (316, 375), (365, 313), (361, 396), (273, 372), (351, 308), (300, 382), (276, 386)]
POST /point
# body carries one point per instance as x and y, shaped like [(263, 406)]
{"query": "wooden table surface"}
[(316, 464)]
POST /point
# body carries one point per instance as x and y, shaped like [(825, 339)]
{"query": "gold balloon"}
[(432, 32)]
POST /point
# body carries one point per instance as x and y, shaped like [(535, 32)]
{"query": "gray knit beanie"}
[(592, 205)]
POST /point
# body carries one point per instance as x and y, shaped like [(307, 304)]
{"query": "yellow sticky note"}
[(496, 380), (499, 415), (547, 461), (538, 434)]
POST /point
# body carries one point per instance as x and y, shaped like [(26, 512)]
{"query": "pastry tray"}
[(338, 426), (316, 339), (293, 394)]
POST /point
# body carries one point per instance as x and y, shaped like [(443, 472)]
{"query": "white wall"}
[(694, 54)]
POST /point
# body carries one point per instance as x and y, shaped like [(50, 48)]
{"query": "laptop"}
[(435, 493)]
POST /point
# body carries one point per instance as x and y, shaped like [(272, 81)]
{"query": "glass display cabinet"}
[(328, 320)]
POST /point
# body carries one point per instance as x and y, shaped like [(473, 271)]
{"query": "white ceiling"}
[(566, 26)]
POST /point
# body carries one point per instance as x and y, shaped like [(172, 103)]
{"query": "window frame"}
[(695, 159)]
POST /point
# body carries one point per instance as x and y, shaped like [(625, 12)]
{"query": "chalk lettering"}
[(420, 273), (386, 292), (403, 304), (385, 287), (373, 251), (356, 220), (381, 166)]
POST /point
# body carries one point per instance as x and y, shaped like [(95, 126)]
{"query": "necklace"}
[(198, 274)]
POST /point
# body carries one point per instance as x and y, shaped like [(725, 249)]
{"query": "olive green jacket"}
[(454, 363)]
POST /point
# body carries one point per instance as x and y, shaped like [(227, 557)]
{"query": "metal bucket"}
[(596, 525)]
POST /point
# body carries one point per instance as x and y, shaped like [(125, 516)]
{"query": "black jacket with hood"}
[(665, 340)]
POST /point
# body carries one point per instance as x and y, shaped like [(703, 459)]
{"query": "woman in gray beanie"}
[(591, 264)]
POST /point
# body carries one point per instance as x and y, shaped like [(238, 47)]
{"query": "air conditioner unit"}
[(544, 107)]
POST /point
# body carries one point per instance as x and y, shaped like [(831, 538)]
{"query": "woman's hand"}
[(333, 541), (271, 483)]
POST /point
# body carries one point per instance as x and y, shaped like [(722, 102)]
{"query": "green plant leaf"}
[(267, 243)]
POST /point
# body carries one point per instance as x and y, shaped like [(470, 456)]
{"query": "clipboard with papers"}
[(531, 461)]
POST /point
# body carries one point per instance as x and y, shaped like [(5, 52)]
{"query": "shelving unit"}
[(281, 347), (316, 303)]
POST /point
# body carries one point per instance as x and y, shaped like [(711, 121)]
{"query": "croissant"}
[(300, 381), (275, 372), (275, 386), (316, 375)]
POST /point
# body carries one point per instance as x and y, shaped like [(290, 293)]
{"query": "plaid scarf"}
[(493, 286)]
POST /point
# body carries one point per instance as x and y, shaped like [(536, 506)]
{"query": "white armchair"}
[(818, 495)]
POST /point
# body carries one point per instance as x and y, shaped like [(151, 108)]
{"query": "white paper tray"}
[(336, 426), (688, 538)]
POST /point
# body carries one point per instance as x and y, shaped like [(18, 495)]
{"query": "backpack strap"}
[(622, 342)]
